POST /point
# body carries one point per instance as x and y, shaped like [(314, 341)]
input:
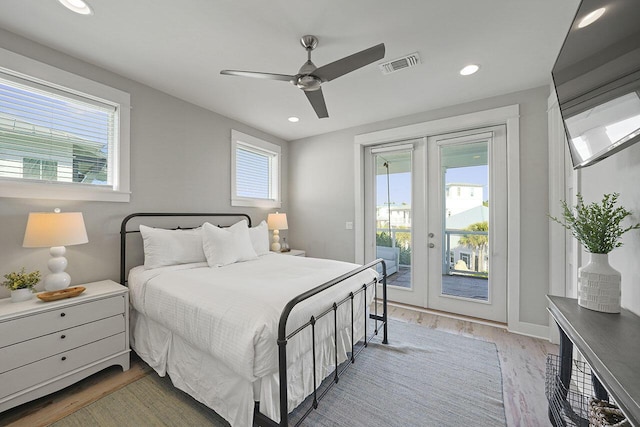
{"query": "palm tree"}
[(477, 242)]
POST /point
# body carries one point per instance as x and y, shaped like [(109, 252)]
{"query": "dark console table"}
[(610, 343)]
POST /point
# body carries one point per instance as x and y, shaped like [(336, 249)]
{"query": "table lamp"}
[(276, 222), (56, 230)]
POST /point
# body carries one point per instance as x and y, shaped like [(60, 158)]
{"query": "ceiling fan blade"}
[(316, 99), (350, 63), (267, 76)]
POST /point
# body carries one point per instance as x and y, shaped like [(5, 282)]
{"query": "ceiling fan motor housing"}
[(308, 82)]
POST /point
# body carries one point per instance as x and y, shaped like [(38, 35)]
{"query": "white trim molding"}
[(507, 115)]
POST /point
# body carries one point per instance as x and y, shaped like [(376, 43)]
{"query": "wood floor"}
[(522, 360)]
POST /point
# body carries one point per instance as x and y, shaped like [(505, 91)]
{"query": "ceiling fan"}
[(310, 77)]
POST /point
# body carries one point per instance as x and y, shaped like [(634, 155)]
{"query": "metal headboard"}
[(124, 232)]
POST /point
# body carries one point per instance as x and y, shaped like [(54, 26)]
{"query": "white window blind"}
[(49, 135), (253, 173), (255, 168)]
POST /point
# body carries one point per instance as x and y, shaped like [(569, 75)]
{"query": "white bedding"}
[(232, 313)]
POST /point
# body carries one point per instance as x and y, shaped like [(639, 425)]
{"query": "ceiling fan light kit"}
[(310, 77)]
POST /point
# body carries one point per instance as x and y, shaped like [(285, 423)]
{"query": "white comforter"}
[(232, 312)]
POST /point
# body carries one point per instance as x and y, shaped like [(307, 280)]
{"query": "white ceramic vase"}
[(599, 285), (21, 295)]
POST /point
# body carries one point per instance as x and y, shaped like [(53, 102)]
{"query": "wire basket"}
[(573, 406), (568, 407)]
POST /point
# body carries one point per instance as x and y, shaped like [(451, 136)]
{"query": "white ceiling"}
[(179, 47)]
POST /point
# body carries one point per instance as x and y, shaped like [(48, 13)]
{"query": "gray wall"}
[(620, 173), (180, 161), (322, 194)]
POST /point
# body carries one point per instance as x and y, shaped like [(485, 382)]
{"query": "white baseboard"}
[(529, 329)]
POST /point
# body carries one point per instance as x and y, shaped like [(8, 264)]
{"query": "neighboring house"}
[(462, 196), (400, 216), (72, 159)]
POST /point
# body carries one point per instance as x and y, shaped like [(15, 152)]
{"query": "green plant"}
[(383, 239), (21, 280), (596, 226)]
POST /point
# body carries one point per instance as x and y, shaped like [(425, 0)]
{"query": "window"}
[(61, 136), (255, 169), (466, 258), (45, 170)]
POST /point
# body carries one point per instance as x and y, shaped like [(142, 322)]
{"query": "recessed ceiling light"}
[(469, 69), (293, 119), (77, 6), (592, 17)]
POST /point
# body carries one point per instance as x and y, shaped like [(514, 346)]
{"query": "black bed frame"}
[(259, 418)]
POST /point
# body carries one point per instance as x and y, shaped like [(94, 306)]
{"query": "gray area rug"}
[(423, 377)]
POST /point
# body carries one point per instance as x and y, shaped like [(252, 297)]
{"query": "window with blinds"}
[(48, 135), (62, 136), (255, 171)]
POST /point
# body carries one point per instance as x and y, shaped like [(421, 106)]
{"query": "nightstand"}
[(46, 346), (293, 252)]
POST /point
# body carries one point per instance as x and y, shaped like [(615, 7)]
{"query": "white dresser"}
[(46, 346)]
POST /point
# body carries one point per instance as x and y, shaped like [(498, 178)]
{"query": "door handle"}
[(432, 245)]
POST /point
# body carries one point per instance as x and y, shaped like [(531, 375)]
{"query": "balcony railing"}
[(449, 234)]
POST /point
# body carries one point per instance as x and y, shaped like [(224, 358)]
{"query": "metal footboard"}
[(261, 419)]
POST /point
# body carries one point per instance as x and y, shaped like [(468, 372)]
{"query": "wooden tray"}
[(61, 294)]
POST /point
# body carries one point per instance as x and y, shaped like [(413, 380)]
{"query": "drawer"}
[(39, 324), (30, 351), (51, 367)]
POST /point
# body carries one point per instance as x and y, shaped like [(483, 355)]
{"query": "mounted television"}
[(597, 80)]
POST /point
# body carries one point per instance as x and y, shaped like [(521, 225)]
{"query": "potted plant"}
[(597, 227), (21, 284)]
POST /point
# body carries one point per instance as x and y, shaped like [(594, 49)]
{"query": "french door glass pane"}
[(465, 267), (393, 215)]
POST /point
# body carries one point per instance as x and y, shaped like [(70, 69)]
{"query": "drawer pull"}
[(62, 314), (63, 337), (64, 358)]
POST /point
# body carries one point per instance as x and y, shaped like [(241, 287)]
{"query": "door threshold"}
[(447, 314)]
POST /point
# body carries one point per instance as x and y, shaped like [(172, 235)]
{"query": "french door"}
[(436, 212)]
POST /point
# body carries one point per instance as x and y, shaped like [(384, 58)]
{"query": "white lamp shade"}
[(47, 229), (277, 221)]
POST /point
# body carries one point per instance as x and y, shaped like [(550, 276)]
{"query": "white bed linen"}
[(231, 314)]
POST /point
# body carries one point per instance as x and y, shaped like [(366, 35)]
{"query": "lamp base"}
[(275, 246), (58, 279)]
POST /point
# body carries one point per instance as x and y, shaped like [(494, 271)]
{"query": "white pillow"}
[(170, 247), (260, 238), (224, 246)]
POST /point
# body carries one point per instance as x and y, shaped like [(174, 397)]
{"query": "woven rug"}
[(423, 377)]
